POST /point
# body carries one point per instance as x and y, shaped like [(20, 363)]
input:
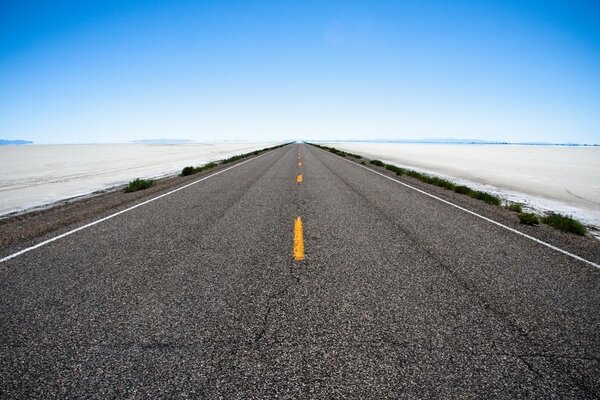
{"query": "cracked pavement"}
[(196, 295)]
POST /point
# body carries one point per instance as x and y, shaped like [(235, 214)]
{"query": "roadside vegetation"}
[(564, 223), (556, 220), (193, 170), (190, 170), (516, 207), (337, 152), (138, 184), (528, 218), (434, 180)]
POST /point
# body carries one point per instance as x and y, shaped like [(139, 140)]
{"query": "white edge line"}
[(45, 242), (575, 256)]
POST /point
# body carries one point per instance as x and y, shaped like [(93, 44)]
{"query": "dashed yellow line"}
[(298, 240), (298, 234)]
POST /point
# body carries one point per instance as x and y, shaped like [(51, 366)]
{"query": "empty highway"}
[(298, 274)]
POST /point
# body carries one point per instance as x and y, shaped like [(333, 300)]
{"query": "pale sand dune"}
[(36, 175), (560, 178)]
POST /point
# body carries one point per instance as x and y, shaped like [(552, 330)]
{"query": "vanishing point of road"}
[(298, 274)]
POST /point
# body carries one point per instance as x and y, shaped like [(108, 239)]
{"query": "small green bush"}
[(516, 207), (462, 189), (528, 218), (441, 182), (191, 170), (188, 171), (565, 223), (394, 168), (138, 184), (483, 196), (232, 159), (379, 163), (415, 174)]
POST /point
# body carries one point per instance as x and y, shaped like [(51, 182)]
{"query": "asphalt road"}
[(197, 295)]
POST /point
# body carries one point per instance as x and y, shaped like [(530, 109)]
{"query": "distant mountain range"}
[(452, 141), (4, 142), (163, 141)]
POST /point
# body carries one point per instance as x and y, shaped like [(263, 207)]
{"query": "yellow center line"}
[(299, 179), (298, 240)]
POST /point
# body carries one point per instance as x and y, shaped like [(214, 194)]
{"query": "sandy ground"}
[(559, 178), (37, 175)]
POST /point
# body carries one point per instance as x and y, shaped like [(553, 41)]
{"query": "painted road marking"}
[(298, 240), (299, 164), (28, 249), (299, 179), (550, 246)]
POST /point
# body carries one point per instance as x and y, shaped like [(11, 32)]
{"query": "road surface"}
[(204, 294)]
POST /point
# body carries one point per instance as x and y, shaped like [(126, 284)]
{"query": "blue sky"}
[(115, 71)]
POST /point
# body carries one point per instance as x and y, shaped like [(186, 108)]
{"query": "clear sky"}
[(115, 71)]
